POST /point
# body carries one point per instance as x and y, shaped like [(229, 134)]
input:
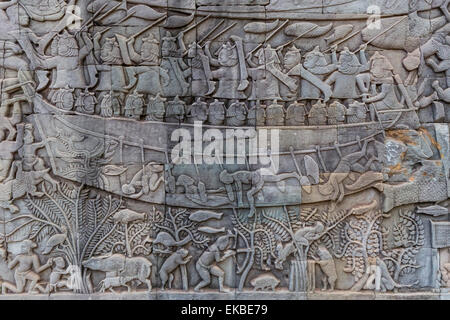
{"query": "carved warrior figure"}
[(385, 102), (198, 111), (267, 75), (216, 114), (236, 114), (27, 268), (67, 59), (172, 62), (156, 109), (311, 74), (349, 78), (296, 114), (201, 78), (206, 265), (232, 71), (147, 76)]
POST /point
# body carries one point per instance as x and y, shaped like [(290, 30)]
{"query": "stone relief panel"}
[(233, 148)]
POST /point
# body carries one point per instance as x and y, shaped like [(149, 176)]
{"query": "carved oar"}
[(382, 33), (269, 37), (147, 28), (297, 38)]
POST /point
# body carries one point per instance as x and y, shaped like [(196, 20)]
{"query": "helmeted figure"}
[(236, 114), (267, 75), (198, 111), (216, 114), (111, 70), (67, 59), (310, 84), (232, 72), (176, 110), (318, 114), (348, 78), (172, 62), (275, 114), (201, 78), (147, 76), (134, 105), (296, 114), (316, 63), (156, 109), (386, 101), (336, 113)]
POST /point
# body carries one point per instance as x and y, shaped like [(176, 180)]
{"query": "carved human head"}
[(228, 55), (315, 58), (292, 58)]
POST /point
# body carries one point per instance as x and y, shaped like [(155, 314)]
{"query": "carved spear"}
[(269, 37), (298, 38), (147, 28), (382, 33)]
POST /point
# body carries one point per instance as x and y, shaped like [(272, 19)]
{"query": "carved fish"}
[(300, 28), (261, 27), (339, 33), (127, 216), (174, 22), (211, 230), (201, 216), (435, 211)]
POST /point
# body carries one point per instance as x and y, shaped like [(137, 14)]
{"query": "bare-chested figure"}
[(348, 164), (28, 268), (7, 150), (206, 264), (254, 178)]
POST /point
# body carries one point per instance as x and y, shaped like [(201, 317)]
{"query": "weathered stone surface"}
[(237, 149)]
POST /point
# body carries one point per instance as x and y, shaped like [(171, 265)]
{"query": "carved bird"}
[(55, 240)]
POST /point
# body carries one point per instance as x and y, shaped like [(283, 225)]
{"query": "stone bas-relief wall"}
[(93, 201)]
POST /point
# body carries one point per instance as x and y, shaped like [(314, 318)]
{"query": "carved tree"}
[(80, 223), (409, 237), (361, 238), (176, 230)]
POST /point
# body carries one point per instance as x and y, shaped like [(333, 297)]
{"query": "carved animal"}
[(300, 28), (112, 282), (180, 257), (117, 265), (167, 240), (203, 215), (260, 27), (25, 182), (211, 230), (127, 216), (283, 254), (339, 33), (264, 282), (328, 267), (174, 22), (55, 240)]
